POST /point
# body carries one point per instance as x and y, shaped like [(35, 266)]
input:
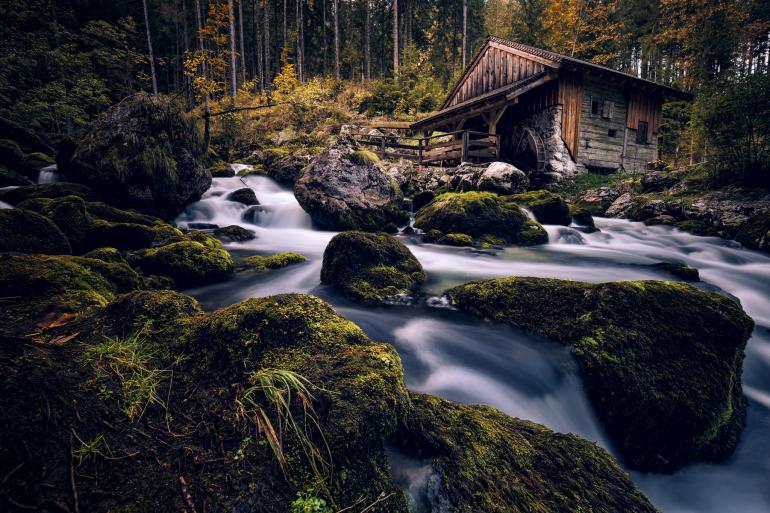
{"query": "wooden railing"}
[(459, 146)]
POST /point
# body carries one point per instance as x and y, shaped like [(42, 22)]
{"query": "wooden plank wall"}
[(571, 99), (495, 68), (597, 148), (645, 107)]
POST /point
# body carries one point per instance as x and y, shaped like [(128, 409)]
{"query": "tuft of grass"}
[(267, 404), (130, 362), (309, 502), (363, 157)]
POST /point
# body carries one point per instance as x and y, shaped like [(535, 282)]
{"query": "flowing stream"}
[(467, 360)]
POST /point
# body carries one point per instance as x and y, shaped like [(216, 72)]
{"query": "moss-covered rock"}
[(582, 216), (234, 233), (246, 196), (8, 177), (661, 361), (24, 231), (145, 153), (755, 232), (221, 169), (48, 190), (484, 460), (37, 160), (277, 261), (478, 215), (10, 154), (190, 263), (683, 271), (38, 289), (456, 239), (370, 267), (421, 199), (547, 207), (106, 254)]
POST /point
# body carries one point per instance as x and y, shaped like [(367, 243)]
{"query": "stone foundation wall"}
[(559, 164)]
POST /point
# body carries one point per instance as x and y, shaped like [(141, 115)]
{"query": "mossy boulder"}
[(755, 232), (37, 160), (24, 231), (234, 233), (8, 177), (276, 261), (106, 255), (10, 154), (341, 191), (190, 263), (27, 139), (582, 217), (661, 361), (456, 239), (478, 215), (547, 207), (48, 190), (370, 267), (38, 289), (145, 153), (202, 366), (221, 169), (682, 271), (246, 196), (483, 460), (421, 199)]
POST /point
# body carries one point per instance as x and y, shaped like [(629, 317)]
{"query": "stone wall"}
[(558, 160)]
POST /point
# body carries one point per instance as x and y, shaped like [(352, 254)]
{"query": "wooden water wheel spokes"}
[(527, 150)]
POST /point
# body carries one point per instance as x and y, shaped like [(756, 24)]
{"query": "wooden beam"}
[(522, 53)]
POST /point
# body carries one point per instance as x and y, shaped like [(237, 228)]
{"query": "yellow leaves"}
[(583, 28)]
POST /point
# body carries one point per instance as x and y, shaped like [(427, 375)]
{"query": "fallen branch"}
[(239, 109), (72, 475), (186, 495)]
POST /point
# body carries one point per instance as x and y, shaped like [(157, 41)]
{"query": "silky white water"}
[(464, 359)]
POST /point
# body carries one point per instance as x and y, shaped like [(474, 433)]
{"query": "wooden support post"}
[(464, 155), (419, 151), (382, 147)]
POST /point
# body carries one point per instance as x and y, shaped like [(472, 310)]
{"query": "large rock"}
[(344, 188), (48, 190), (483, 460), (755, 232), (597, 201), (245, 196), (502, 178), (371, 267), (661, 361), (484, 216), (547, 207), (658, 181), (23, 231), (143, 153), (287, 170), (8, 177)]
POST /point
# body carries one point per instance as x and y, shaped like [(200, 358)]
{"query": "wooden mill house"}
[(548, 114)]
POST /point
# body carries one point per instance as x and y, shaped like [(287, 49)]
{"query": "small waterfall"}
[(48, 174), (563, 235)]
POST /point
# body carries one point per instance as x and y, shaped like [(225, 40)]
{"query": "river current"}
[(467, 360)]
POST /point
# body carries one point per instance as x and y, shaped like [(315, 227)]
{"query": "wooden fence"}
[(460, 146)]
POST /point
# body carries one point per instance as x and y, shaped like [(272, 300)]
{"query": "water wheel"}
[(525, 150)]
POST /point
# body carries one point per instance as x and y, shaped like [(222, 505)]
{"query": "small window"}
[(612, 132), (596, 105), (641, 133), (607, 109)]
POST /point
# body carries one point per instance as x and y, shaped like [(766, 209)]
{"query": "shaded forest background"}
[(62, 62)]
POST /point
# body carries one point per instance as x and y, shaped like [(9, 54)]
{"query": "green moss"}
[(106, 254), (234, 233), (547, 207), (189, 263), (39, 288), (363, 157), (476, 214), (487, 461), (661, 361), (221, 169), (581, 216), (370, 267), (532, 234), (49, 190), (24, 231), (277, 261), (37, 160), (456, 239)]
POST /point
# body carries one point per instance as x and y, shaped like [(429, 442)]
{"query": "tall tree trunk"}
[(336, 16), (259, 53), (368, 41), (300, 41), (285, 34), (243, 46), (207, 114), (465, 32), (149, 48), (268, 67), (325, 42), (233, 60), (395, 39)]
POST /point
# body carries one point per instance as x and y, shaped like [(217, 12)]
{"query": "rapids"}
[(467, 360)]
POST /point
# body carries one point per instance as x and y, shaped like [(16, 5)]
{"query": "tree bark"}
[(243, 46), (336, 16), (395, 39), (268, 67), (368, 41), (233, 60), (149, 48), (285, 34), (259, 55), (465, 32), (299, 39), (325, 42)]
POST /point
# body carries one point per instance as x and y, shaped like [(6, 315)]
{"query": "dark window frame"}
[(597, 105), (642, 132)]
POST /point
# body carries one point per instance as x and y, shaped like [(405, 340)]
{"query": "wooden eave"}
[(490, 100)]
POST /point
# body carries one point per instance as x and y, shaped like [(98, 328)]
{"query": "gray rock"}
[(622, 207), (246, 196), (502, 178), (286, 170), (658, 181), (343, 192), (597, 201)]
